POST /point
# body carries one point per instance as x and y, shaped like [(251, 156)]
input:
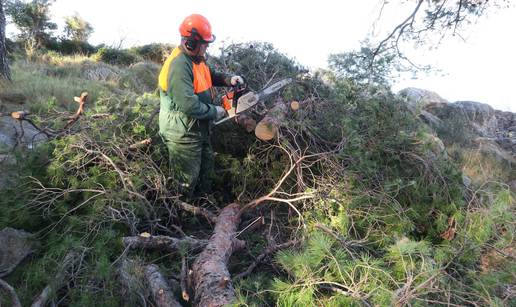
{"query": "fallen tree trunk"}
[(211, 280), (268, 127), (159, 288)]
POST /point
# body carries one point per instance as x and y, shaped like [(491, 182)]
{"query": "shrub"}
[(68, 47), (140, 77), (115, 56), (153, 52)]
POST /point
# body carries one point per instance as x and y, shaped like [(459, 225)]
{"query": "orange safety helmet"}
[(197, 27)]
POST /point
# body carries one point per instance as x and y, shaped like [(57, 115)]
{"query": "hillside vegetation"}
[(360, 201)]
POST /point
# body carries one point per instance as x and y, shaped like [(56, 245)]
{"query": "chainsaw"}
[(240, 99)]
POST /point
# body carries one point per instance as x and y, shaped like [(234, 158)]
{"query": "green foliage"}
[(140, 77), (257, 62), (69, 47), (53, 83), (115, 56), (33, 20), (385, 147), (383, 192), (364, 67), (77, 29), (156, 52)]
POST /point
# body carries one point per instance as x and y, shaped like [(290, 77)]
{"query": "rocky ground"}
[(492, 130)]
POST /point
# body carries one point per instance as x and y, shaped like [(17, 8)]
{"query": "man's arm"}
[(219, 79)]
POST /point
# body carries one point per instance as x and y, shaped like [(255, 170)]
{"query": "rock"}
[(435, 145), (418, 99), (431, 120), (466, 181), (15, 245), (507, 143), (11, 133), (477, 118), (489, 146), (100, 72)]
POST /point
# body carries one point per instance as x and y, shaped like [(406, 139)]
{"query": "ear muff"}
[(193, 40), (191, 44)]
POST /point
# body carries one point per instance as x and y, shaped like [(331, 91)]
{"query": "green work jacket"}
[(187, 97)]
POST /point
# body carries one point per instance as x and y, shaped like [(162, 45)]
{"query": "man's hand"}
[(221, 113), (237, 80)]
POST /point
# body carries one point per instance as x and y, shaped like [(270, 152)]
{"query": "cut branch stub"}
[(211, 280), (82, 101), (19, 115)]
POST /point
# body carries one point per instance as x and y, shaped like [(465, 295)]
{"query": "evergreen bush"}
[(112, 56)]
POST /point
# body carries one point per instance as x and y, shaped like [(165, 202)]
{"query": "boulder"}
[(15, 245), (431, 120), (489, 146), (418, 99), (13, 132), (477, 118)]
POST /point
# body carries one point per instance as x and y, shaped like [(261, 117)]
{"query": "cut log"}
[(268, 127), (246, 122), (163, 243), (19, 115), (211, 280), (299, 105), (159, 288)]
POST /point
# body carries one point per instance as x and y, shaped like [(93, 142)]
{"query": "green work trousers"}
[(191, 164)]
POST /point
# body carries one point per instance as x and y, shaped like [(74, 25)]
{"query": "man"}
[(187, 107)]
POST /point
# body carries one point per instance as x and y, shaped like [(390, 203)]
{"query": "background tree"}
[(5, 73), (431, 21), (33, 20), (354, 65), (77, 29)]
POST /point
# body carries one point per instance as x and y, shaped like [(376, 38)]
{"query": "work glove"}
[(221, 112), (237, 80)]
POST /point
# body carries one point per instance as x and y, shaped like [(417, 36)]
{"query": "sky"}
[(479, 69)]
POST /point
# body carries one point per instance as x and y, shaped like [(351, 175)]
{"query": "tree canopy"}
[(77, 29)]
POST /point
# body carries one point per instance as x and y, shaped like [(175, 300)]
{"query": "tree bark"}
[(268, 127), (159, 288), (211, 280), (5, 72)]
